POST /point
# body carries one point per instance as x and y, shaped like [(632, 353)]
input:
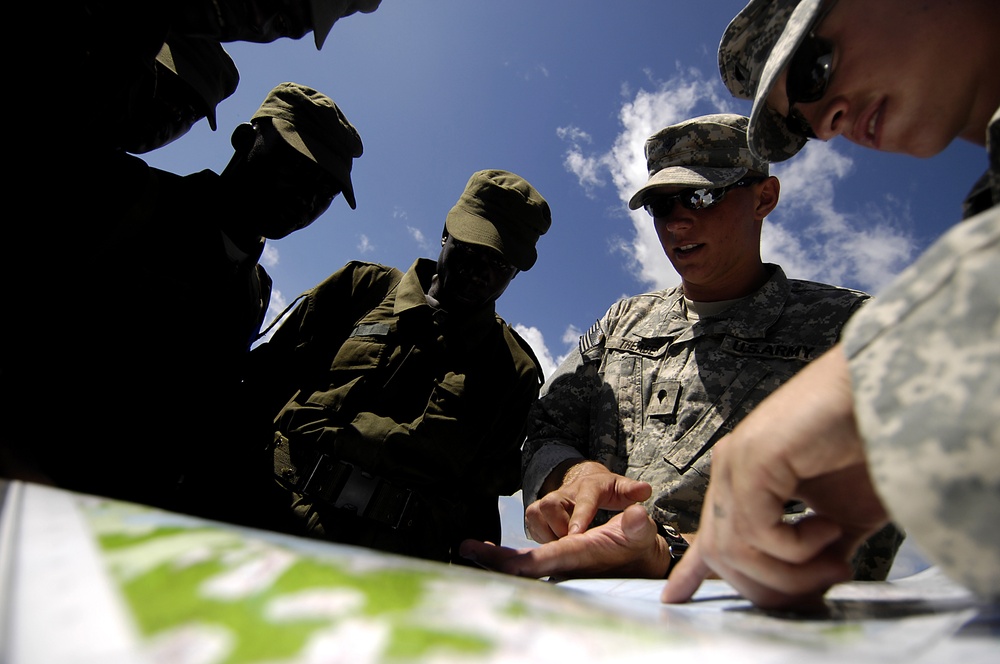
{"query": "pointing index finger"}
[(686, 577)]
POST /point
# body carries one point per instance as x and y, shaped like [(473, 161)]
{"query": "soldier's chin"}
[(465, 302), (280, 226)]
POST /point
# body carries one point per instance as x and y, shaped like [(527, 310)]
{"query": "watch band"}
[(676, 544)]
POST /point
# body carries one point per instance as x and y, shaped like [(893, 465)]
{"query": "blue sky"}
[(564, 93)]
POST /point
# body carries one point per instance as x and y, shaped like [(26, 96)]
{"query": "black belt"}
[(344, 486)]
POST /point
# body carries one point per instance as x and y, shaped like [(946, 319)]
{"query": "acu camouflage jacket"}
[(925, 371), (650, 391)]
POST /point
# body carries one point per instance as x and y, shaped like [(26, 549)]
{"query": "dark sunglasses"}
[(808, 75), (806, 80), (660, 206), (809, 71)]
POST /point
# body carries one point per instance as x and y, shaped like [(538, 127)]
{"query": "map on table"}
[(87, 579)]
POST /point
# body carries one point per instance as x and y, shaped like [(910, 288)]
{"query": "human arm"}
[(628, 545), (566, 480), (922, 390), (816, 455), (573, 493)]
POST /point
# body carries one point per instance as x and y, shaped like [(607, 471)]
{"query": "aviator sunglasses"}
[(660, 206), (807, 79), (808, 75)]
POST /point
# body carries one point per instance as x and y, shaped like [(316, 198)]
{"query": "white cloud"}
[(814, 239), (364, 244), (807, 234), (545, 357), (586, 168), (270, 256), (537, 342), (573, 134), (419, 237), (570, 337)]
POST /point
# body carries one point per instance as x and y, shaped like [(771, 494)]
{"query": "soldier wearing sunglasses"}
[(903, 417), (399, 398), (633, 415)]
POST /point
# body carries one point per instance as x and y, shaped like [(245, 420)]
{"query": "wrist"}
[(580, 468), (674, 546), (566, 472)]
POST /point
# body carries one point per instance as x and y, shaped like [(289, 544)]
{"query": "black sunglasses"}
[(660, 206), (809, 71), (808, 75), (807, 79)]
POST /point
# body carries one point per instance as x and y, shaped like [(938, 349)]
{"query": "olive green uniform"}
[(411, 428)]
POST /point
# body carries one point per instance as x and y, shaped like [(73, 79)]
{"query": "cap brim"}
[(769, 135), (324, 157), (323, 17), (348, 191), (474, 229), (320, 33), (687, 177)]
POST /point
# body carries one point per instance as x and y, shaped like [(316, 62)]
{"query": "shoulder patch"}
[(591, 340), (370, 330)]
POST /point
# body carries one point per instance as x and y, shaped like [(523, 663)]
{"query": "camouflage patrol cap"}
[(204, 65), (326, 12), (499, 209), (315, 126), (755, 48), (707, 151)]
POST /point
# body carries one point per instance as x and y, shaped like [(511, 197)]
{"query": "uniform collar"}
[(750, 318), (411, 298)]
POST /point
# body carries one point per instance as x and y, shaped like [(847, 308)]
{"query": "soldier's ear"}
[(244, 137), (768, 199)]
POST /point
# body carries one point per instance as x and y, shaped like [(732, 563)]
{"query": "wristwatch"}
[(676, 544)]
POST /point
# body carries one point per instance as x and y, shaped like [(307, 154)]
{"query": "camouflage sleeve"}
[(558, 425), (925, 369)]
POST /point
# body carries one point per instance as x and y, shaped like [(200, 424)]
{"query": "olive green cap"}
[(326, 12), (499, 209), (205, 66), (703, 152), (315, 126)]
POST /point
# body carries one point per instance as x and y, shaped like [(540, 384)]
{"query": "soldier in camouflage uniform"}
[(634, 413), (904, 421), (409, 394)]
